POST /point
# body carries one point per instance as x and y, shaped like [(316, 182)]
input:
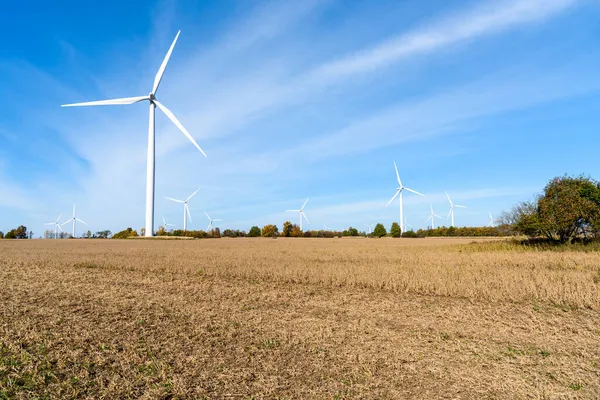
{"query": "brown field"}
[(297, 318)]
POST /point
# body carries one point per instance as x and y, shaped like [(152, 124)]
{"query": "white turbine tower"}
[(452, 205), (150, 165), (210, 224), (370, 228), (432, 217), (56, 225), (186, 209), (165, 225), (74, 220), (399, 191), (302, 215)]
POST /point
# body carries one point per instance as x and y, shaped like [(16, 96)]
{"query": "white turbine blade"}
[(209, 226), (164, 222), (50, 223), (430, 217), (188, 212), (414, 191), (67, 221), (217, 219), (456, 205), (173, 119), (78, 220), (397, 174), (111, 102), (175, 200), (448, 198), (163, 66), (58, 219), (305, 217), (59, 228), (304, 203), (293, 210), (192, 195), (437, 216), (449, 212), (205, 213), (392, 199)]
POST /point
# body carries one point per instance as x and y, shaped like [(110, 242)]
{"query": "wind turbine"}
[(407, 224), (492, 221), (301, 211), (150, 163), (56, 225), (165, 225), (452, 205), (370, 228), (432, 217), (210, 224), (186, 209), (74, 220), (399, 191)]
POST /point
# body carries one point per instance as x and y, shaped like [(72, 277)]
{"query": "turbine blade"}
[(111, 102), (293, 210), (50, 223), (164, 222), (305, 217), (397, 174), (414, 191), (449, 212), (205, 213), (192, 195), (392, 199), (163, 66), (217, 219), (304, 203), (173, 119), (456, 205), (188, 212), (58, 219), (175, 200), (448, 198), (78, 220), (59, 228), (67, 221)]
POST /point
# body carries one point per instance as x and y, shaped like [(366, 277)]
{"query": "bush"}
[(254, 231), (350, 232), (395, 230), (270, 230), (379, 231), (410, 234), (10, 235), (296, 231), (287, 229), (1, 235), (125, 234)]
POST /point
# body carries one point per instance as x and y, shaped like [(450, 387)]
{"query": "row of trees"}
[(17, 233)]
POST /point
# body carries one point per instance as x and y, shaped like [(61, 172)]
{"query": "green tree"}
[(379, 231), (296, 231), (88, 234), (287, 229), (270, 230), (1, 235), (350, 232), (125, 234), (103, 234), (254, 231), (10, 234), (395, 230)]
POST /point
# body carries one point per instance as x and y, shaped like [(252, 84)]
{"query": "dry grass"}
[(297, 319)]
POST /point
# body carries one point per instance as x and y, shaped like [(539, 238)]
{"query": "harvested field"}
[(296, 318)]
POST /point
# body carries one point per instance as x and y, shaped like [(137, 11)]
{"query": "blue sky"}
[(485, 99)]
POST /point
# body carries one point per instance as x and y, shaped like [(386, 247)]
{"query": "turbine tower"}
[(302, 215), (150, 163), (432, 217), (56, 225), (398, 194), (452, 205), (74, 220), (186, 209), (210, 224)]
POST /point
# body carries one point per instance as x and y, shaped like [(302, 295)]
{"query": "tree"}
[(103, 234), (270, 230), (125, 234), (296, 231), (379, 231), (254, 231), (216, 232), (350, 232), (287, 229), (88, 234), (1, 235), (395, 230), (10, 234)]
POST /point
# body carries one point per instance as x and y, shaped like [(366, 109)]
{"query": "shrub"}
[(254, 231), (270, 230), (125, 234), (395, 230), (379, 231)]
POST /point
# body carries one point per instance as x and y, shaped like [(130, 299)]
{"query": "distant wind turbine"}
[(370, 228), (301, 211), (398, 194), (492, 221), (452, 205), (432, 217), (56, 225), (74, 220), (186, 209), (165, 225), (150, 165), (210, 224), (406, 223)]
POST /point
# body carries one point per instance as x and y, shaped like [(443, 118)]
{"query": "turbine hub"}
[(151, 96)]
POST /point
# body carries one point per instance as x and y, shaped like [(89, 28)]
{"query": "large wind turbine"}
[(150, 166), (452, 205), (399, 191), (74, 220), (432, 217), (302, 215), (56, 225), (186, 209), (210, 224)]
